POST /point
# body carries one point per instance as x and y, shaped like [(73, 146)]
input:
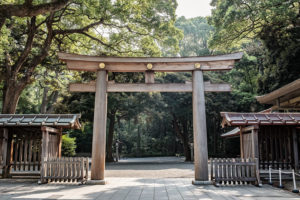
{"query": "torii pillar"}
[(199, 128)]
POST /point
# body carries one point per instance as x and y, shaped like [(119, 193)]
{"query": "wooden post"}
[(255, 155), (241, 143), (254, 143), (45, 142), (4, 151), (59, 141), (99, 129), (149, 77), (295, 148), (199, 125)]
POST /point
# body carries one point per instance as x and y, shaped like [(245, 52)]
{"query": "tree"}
[(196, 35), (274, 22), (101, 27)]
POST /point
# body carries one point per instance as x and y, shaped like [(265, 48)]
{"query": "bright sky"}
[(193, 8)]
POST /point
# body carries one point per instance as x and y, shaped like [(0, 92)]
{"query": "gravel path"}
[(155, 167)]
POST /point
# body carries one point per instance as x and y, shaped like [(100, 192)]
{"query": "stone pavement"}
[(158, 178), (139, 188)]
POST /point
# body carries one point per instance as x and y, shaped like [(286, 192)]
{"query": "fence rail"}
[(234, 171), (64, 170)]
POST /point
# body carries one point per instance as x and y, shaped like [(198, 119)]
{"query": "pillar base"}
[(195, 182), (96, 182)]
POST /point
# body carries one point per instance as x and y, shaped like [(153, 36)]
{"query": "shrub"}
[(68, 146)]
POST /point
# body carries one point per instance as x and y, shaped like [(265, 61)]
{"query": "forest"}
[(33, 80)]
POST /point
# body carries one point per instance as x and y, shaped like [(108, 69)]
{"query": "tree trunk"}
[(44, 100), (138, 152), (185, 141), (109, 156), (11, 96)]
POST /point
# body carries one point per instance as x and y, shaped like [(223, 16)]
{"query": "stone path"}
[(139, 189), (158, 179)]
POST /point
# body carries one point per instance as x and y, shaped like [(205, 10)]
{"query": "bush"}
[(68, 146)]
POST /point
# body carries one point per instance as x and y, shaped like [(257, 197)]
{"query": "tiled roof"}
[(244, 119), (54, 120)]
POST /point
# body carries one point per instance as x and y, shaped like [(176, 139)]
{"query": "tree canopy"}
[(275, 23)]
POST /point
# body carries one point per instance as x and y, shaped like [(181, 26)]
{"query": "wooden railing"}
[(264, 164), (64, 170), (234, 171)]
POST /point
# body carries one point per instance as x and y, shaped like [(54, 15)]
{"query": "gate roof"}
[(53, 120), (245, 119)]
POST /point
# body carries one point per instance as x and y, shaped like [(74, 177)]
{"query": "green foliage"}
[(68, 146), (196, 34), (275, 23)]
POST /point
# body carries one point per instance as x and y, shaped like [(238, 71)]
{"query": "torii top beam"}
[(142, 64)]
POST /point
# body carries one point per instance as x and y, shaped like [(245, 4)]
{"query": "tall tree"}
[(102, 27), (274, 22)]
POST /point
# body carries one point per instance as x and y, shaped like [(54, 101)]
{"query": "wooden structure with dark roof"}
[(103, 65), (271, 137), (284, 98), (25, 139)]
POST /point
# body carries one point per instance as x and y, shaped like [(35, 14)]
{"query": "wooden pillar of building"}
[(241, 143), (6, 146), (59, 141), (255, 152), (99, 129), (254, 142), (295, 149), (45, 143), (199, 126)]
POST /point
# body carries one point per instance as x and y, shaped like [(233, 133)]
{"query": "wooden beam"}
[(50, 129), (76, 57), (142, 67), (99, 129), (149, 77), (172, 87), (199, 126), (249, 128), (149, 87), (287, 104)]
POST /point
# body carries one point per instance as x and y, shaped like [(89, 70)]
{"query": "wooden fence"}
[(64, 170), (234, 171), (26, 154)]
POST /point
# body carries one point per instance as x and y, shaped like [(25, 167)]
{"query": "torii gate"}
[(197, 65)]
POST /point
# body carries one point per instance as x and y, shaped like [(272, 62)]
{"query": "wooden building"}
[(26, 139), (271, 135), (286, 98)]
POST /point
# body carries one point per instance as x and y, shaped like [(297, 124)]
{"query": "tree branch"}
[(28, 46), (44, 52), (78, 30), (28, 10)]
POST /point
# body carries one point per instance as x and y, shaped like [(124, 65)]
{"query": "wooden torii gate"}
[(102, 65)]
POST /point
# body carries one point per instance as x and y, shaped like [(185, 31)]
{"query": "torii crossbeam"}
[(196, 65)]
